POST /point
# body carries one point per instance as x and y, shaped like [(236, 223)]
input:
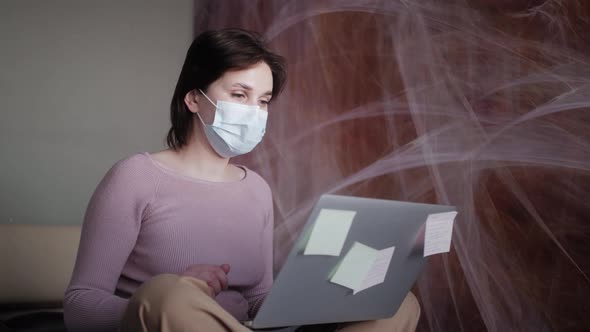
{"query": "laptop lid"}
[(303, 294)]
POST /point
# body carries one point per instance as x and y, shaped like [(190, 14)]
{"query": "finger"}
[(213, 281), (215, 285), (211, 287), (222, 277), (210, 291), (204, 277), (225, 268)]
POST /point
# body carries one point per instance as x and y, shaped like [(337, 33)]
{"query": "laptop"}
[(302, 293)]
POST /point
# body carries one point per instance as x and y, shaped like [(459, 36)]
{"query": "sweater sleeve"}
[(109, 232), (257, 294)]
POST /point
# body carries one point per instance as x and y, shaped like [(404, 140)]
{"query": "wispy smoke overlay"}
[(481, 104)]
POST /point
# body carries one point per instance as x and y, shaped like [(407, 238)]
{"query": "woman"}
[(181, 239)]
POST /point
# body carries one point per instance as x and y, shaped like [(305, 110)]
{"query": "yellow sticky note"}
[(329, 232)]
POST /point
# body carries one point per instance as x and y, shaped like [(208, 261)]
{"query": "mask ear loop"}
[(199, 113), (203, 93)]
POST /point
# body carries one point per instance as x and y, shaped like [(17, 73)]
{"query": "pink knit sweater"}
[(144, 220)]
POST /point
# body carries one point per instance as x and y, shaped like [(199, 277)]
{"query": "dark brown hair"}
[(210, 55)]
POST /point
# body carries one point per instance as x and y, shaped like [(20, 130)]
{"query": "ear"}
[(191, 100)]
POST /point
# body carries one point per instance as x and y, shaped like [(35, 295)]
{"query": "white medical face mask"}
[(236, 128)]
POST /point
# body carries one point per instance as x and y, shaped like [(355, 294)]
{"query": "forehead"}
[(258, 76)]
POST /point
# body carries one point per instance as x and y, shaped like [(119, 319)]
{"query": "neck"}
[(200, 160)]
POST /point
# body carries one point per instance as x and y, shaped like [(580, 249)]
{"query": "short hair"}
[(210, 55)]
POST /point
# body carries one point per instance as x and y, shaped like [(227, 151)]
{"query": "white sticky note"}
[(354, 266), (363, 267), (378, 271), (439, 231), (329, 232)]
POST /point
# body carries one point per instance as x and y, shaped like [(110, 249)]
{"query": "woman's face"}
[(250, 86)]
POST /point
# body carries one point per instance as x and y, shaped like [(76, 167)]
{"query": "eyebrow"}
[(249, 88)]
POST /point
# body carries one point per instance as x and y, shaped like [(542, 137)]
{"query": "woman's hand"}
[(214, 275)]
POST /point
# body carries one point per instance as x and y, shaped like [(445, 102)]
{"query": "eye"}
[(238, 95), (265, 102)]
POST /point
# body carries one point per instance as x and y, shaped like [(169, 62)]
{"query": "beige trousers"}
[(171, 303)]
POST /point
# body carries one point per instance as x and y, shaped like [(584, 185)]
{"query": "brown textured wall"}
[(480, 104)]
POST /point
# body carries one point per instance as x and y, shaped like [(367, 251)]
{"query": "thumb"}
[(225, 268)]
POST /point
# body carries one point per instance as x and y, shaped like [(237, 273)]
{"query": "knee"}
[(412, 305), (166, 298), (162, 294), (407, 316), (155, 290), (405, 319), (167, 291)]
